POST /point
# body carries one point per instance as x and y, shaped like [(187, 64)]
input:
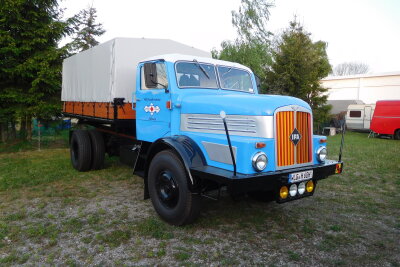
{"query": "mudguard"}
[(188, 151)]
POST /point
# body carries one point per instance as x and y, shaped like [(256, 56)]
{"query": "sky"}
[(365, 31)]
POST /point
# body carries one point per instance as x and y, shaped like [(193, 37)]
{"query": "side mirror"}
[(150, 75)]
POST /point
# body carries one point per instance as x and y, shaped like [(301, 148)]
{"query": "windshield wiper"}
[(229, 70), (201, 68)]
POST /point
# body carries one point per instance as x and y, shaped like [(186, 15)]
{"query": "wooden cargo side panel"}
[(78, 108), (126, 112), (88, 109), (99, 110), (102, 110), (68, 107)]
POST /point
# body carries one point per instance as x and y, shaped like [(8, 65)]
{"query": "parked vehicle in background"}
[(386, 119), (359, 117)]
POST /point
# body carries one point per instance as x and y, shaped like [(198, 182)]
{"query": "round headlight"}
[(293, 190), (321, 153), (259, 161), (301, 188)]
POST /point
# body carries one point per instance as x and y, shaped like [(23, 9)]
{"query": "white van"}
[(359, 117)]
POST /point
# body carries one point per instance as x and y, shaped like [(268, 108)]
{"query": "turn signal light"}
[(338, 168), (322, 141), (310, 186), (283, 193), (169, 104), (260, 145)]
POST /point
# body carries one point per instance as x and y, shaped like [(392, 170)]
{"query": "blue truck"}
[(189, 125)]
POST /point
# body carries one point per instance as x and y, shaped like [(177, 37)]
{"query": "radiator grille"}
[(303, 148), (287, 153)]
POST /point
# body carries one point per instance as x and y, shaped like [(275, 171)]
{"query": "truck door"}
[(152, 94), (367, 117)]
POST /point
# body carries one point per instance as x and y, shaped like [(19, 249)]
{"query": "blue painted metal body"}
[(151, 126)]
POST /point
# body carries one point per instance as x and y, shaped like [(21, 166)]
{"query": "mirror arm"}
[(165, 87)]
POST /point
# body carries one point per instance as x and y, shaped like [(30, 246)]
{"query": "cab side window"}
[(153, 76)]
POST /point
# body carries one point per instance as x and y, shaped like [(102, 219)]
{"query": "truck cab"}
[(201, 124), (179, 102)]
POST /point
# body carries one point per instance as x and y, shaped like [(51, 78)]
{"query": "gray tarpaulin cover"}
[(108, 70)]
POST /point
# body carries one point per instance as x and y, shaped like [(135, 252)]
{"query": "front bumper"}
[(269, 181)]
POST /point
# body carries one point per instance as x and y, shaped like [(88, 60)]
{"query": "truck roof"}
[(180, 57)]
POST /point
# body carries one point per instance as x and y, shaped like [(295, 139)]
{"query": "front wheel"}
[(169, 191)]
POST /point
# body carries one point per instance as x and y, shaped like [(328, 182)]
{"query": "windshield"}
[(235, 79), (194, 74)]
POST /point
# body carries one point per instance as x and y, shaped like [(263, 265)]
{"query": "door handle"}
[(137, 99)]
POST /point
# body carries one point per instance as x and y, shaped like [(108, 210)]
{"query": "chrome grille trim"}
[(242, 125)]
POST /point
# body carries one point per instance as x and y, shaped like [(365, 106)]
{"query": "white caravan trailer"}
[(359, 117)]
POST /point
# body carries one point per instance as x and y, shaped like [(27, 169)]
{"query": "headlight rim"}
[(254, 161), (319, 153)]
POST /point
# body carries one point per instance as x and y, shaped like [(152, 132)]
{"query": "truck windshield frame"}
[(240, 77), (189, 74), (195, 76)]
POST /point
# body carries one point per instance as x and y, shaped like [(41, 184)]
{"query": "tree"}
[(252, 47), (298, 66), (30, 60), (254, 55), (350, 68), (251, 20), (86, 30)]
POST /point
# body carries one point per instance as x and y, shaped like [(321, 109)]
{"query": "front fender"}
[(187, 150)]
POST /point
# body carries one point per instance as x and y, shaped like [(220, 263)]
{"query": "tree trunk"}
[(22, 130), (3, 130), (29, 127), (13, 131)]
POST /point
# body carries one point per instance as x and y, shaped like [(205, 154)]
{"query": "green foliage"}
[(252, 47), (251, 20), (86, 30), (293, 68), (30, 60), (298, 66), (255, 55)]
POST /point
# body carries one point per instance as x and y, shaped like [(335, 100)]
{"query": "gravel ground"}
[(115, 226)]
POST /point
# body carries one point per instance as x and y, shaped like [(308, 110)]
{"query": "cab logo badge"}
[(295, 136), (152, 109)]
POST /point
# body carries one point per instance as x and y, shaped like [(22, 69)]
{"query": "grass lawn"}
[(51, 214)]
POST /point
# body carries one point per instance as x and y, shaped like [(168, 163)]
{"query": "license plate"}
[(300, 176)]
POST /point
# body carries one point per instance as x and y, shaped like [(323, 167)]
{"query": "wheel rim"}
[(167, 189)]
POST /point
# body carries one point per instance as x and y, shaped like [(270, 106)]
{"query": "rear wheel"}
[(80, 150), (98, 149), (169, 191), (397, 134)]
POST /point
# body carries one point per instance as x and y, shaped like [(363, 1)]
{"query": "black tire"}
[(262, 196), (397, 134), (80, 150), (98, 149), (169, 192)]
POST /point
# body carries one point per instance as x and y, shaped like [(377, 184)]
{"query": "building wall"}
[(368, 88)]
